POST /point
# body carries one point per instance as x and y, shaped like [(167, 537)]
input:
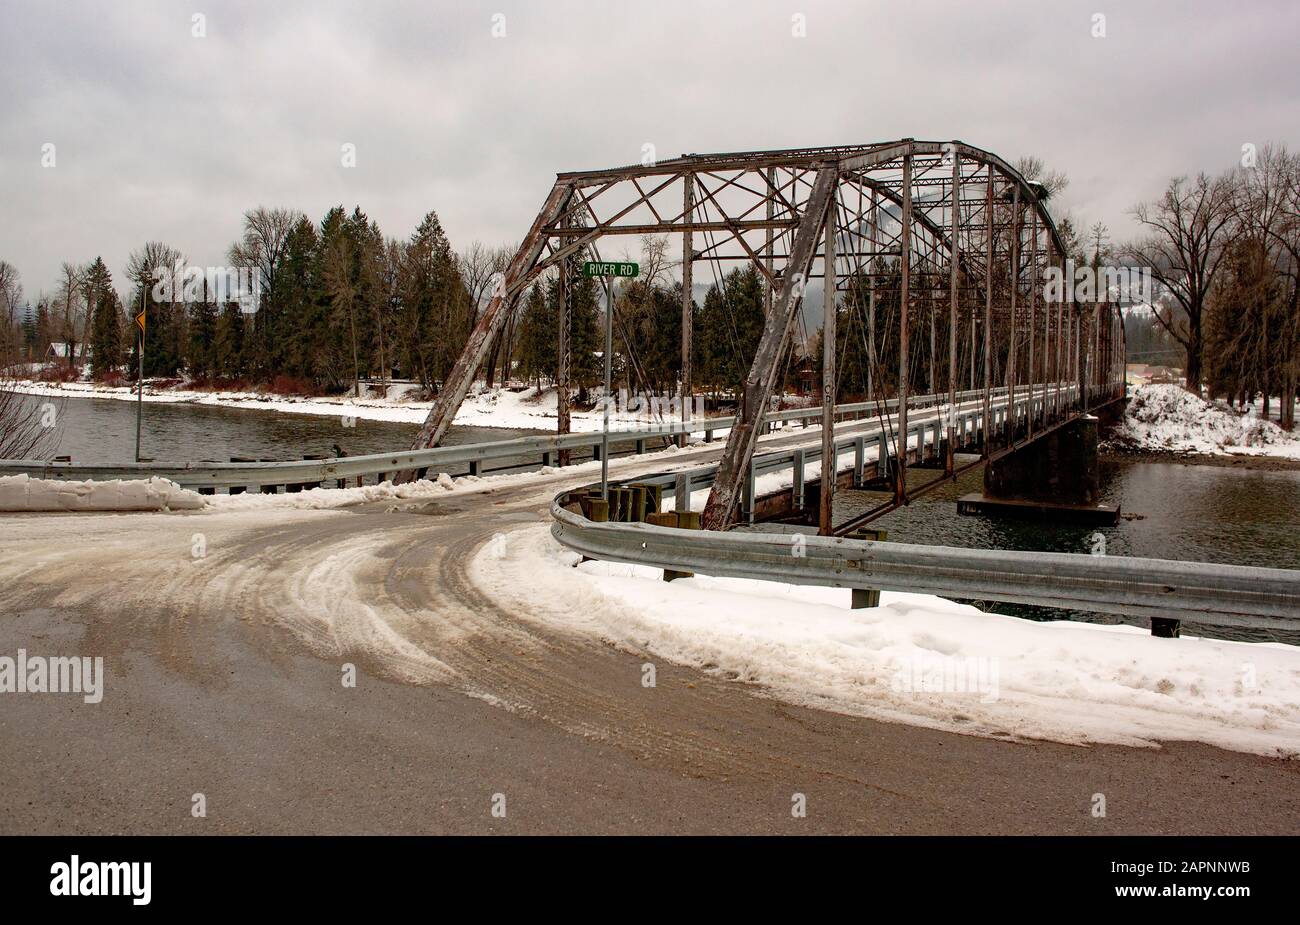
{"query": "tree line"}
[(341, 302)]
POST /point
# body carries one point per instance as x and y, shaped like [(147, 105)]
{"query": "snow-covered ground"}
[(528, 409), (916, 659), (1168, 418)]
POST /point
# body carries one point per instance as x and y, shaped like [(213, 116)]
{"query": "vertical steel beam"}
[(565, 355), (1058, 369), (954, 256), (1033, 308), (871, 300), (771, 214), (829, 373), (988, 321), (1014, 275), (904, 296), (688, 313), (763, 372)]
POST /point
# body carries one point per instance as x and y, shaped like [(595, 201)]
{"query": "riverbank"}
[(1169, 422), (1221, 461), (518, 408)]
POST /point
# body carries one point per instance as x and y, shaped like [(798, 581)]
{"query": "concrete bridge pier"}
[(1055, 477)]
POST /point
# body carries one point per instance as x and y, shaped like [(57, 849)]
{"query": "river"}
[(1171, 510)]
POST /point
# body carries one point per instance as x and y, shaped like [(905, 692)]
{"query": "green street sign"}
[(602, 268)]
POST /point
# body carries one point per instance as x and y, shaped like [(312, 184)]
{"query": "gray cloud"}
[(164, 136)]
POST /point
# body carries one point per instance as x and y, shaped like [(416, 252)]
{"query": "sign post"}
[(606, 271), (139, 385)]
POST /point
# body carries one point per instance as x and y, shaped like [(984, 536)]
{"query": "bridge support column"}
[(1053, 477)]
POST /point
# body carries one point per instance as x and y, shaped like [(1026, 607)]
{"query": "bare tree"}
[(71, 282), (481, 268), (1265, 207), (1033, 169), (11, 295), (266, 236), (27, 428), (1187, 226)]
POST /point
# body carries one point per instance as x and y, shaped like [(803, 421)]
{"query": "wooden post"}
[(866, 597)]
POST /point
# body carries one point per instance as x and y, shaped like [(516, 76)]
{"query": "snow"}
[(1005, 676), (528, 409), (23, 493), (1168, 418)]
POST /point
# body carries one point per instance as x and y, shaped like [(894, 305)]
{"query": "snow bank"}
[(528, 409), (917, 659), (1168, 418), (23, 493)]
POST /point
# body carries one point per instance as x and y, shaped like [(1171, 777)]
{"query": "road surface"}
[(224, 679)]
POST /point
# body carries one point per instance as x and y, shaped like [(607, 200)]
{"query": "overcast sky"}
[(162, 135)]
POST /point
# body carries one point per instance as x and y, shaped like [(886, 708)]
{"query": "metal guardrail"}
[(1160, 589), (867, 446), (209, 476)]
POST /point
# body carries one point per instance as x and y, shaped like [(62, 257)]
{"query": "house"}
[(58, 350)]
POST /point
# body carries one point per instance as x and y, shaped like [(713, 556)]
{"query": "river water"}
[(102, 430), (1232, 515), (1173, 511)]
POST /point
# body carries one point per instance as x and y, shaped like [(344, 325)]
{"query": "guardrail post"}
[(683, 520), (548, 459), (749, 494), (866, 597), (640, 446), (859, 461), (797, 461), (595, 453), (682, 492)]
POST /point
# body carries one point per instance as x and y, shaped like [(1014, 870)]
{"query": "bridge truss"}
[(951, 236)]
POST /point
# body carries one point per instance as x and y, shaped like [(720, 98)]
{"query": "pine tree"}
[(107, 338), (201, 344)]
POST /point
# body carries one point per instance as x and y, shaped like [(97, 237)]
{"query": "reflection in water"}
[(1178, 511), (103, 430)]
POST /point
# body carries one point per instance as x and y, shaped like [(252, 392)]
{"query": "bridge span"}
[(940, 247)]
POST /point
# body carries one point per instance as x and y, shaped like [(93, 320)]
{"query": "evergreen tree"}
[(200, 349), (107, 338)]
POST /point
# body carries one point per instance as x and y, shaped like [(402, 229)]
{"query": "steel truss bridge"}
[(953, 238)]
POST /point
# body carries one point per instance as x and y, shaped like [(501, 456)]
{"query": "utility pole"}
[(139, 383)]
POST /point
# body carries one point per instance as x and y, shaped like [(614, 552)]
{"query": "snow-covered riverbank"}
[(527, 409), (1168, 419)]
